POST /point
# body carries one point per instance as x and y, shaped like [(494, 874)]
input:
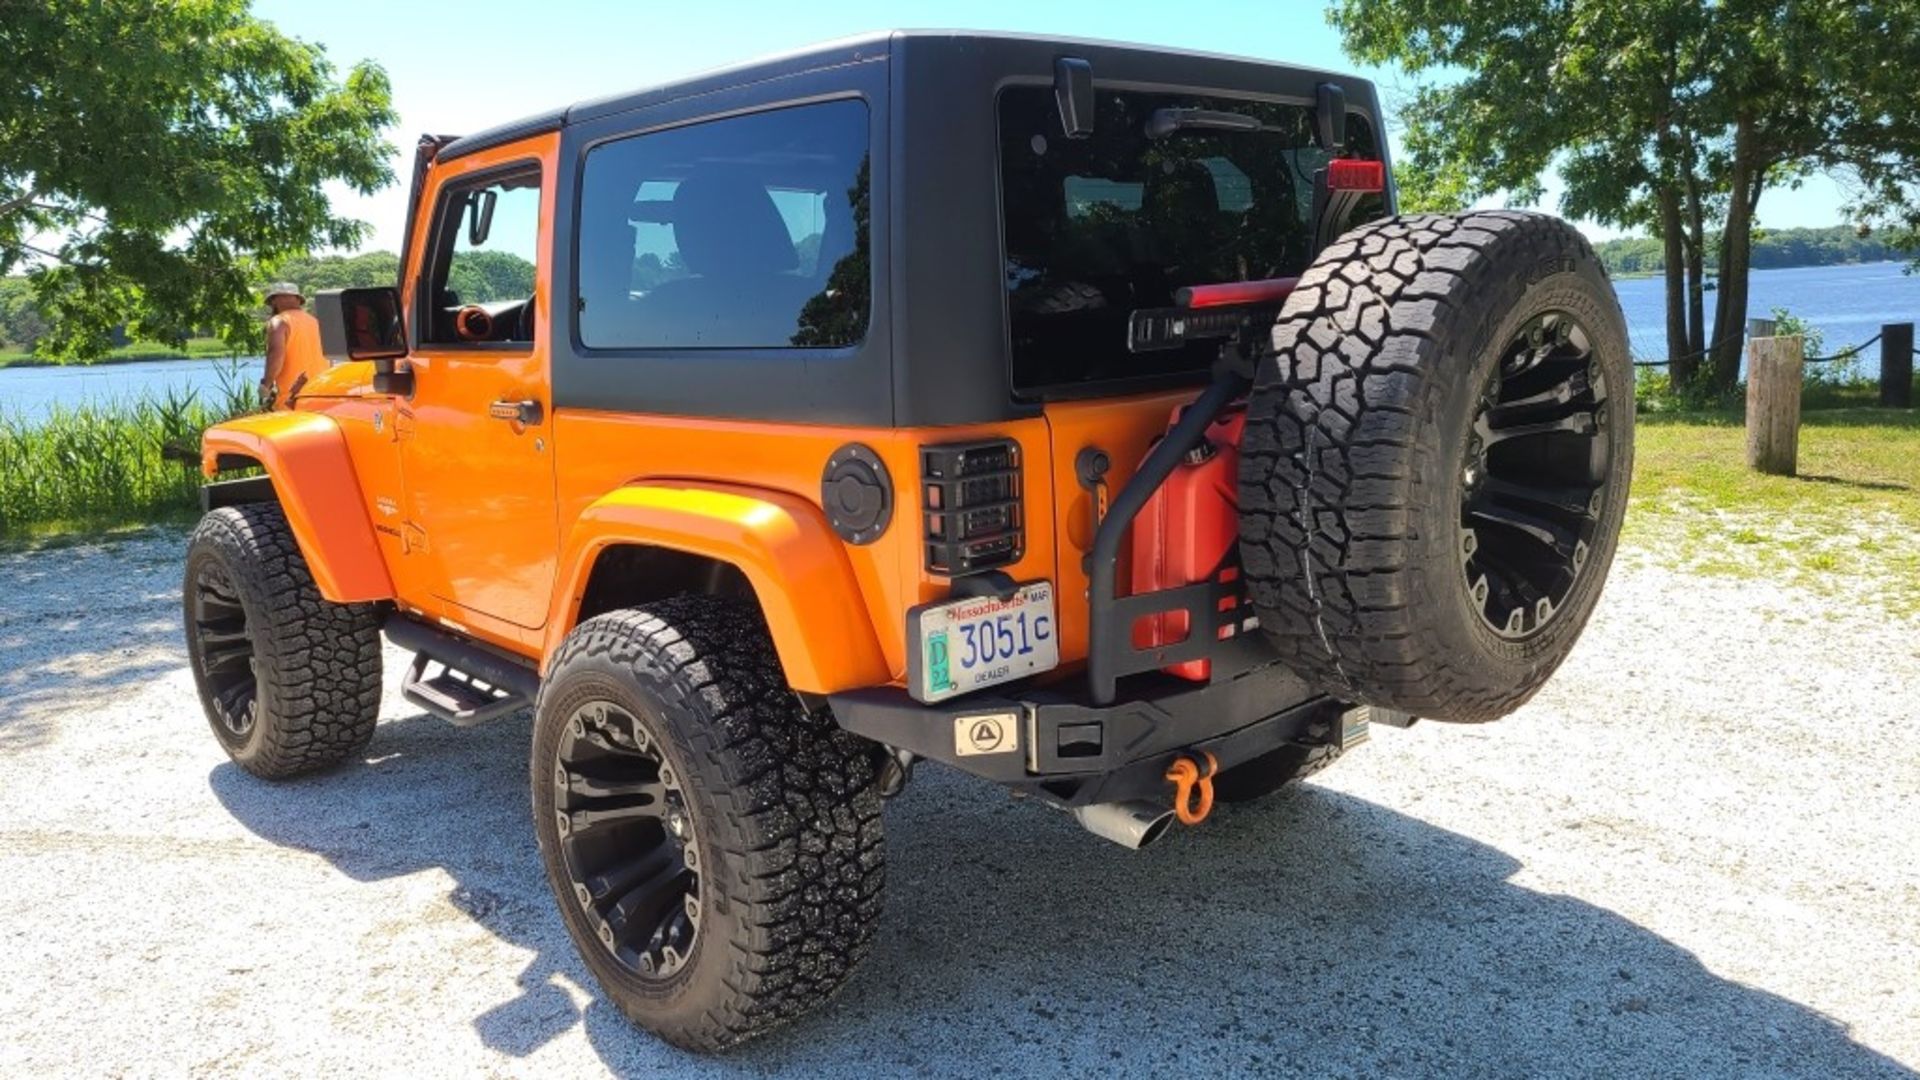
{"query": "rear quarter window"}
[(746, 232)]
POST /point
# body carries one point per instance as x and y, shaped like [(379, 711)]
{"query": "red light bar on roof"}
[(1356, 174), (1229, 293)]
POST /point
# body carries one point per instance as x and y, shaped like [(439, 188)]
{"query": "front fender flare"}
[(306, 457), (780, 542)]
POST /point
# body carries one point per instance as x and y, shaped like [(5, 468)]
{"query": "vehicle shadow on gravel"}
[(1314, 932)]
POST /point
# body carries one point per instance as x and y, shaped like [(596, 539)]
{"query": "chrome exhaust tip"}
[(1129, 824)]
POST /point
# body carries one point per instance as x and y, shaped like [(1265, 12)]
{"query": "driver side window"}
[(481, 285)]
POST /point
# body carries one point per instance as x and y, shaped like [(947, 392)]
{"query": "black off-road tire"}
[(289, 681), (1271, 771), (1359, 459), (785, 818)]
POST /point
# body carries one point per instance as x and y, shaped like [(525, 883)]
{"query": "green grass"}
[(1847, 525), (99, 466), (196, 349)]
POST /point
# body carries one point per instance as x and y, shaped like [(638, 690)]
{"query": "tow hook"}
[(1193, 787)]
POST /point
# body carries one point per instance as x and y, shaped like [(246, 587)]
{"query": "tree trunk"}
[(1681, 365), (1736, 244), (1696, 265)]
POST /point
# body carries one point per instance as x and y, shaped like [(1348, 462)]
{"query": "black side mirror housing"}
[(365, 324), (1073, 95), (1330, 118)]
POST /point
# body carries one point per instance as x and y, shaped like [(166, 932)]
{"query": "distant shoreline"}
[(1713, 272), (197, 349)]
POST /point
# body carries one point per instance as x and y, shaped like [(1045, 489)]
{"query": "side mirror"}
[(480, 215), (1073, 95), (361, 324), (365, 324)]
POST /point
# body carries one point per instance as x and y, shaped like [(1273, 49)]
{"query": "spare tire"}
[(1436, 461)]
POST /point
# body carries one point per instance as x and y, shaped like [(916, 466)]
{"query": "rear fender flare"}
[(782, 545), (306, 457)]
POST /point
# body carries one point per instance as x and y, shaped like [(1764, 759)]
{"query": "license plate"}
[(964, 645)]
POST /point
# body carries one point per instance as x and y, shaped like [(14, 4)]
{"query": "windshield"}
[(1099, 226)]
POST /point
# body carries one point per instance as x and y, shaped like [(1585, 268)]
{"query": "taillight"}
[(1356, 174), (970, 505)]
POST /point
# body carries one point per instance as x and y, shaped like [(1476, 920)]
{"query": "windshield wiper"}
[(1165, 122)]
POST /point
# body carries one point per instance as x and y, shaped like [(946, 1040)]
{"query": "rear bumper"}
[(1057, 743)]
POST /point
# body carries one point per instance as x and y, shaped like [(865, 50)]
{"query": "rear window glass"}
[(1100, 226), (747, 232)]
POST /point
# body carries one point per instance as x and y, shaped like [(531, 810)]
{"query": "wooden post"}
[(1896, 366), (1774, 369)]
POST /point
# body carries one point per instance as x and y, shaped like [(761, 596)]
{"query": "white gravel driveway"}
[(1697, 853)]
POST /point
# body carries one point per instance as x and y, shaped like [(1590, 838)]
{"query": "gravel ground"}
[(1695, 854)]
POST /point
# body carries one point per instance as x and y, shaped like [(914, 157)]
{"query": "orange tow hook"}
[(1193, 787)]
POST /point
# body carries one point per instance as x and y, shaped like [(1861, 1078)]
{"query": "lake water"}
[(33, 390), (1848, 303)]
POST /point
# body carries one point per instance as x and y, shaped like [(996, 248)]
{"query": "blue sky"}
[(520, 58)]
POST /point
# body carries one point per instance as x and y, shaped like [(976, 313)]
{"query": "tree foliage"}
[(155, 158), (1772, 249), (21, 323), (1671, 115)]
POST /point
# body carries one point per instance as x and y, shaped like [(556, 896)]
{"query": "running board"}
[(472, 683)]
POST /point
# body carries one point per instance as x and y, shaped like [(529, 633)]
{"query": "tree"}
[(156, 158), (483, 277), (1664, 114), (313, 273), (21, 323)]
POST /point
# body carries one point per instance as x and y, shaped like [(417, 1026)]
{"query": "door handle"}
[(519, 412)]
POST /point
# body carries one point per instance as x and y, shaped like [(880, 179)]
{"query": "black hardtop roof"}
[(828, 54)]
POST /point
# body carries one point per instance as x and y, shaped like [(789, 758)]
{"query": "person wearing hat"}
[(293, 346)]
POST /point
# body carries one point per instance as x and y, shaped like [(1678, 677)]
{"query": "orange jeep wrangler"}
[(1075, 415)]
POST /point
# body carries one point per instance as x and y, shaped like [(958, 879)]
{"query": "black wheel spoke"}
[(1578, 423), (641, 910), (1565, 392), (224, 645), (1531, 526), (1567, 500), (588, 820), (638, 792)]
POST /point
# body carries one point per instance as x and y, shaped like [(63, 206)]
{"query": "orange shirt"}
[(303, 356)]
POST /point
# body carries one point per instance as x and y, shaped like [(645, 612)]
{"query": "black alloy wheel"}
[(1535, 475), (627, 839), (225, 653)]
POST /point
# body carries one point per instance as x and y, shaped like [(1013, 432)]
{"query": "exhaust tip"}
[(1129, 824)]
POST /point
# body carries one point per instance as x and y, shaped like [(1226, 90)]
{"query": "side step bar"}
[(474, 684)]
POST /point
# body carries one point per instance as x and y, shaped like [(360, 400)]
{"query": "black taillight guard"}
[(970, 506)]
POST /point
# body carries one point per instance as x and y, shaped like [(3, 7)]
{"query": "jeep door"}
[(475, 441)]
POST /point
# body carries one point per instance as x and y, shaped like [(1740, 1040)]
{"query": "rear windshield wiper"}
[(1165, 122)]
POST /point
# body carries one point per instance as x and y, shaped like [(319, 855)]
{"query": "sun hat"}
[(284, 288)]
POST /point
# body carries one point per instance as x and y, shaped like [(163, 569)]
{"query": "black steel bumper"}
[(1056, 742)]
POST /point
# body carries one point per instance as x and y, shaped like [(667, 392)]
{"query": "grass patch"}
[(138, 352), (102, 465), (1848, 525)]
